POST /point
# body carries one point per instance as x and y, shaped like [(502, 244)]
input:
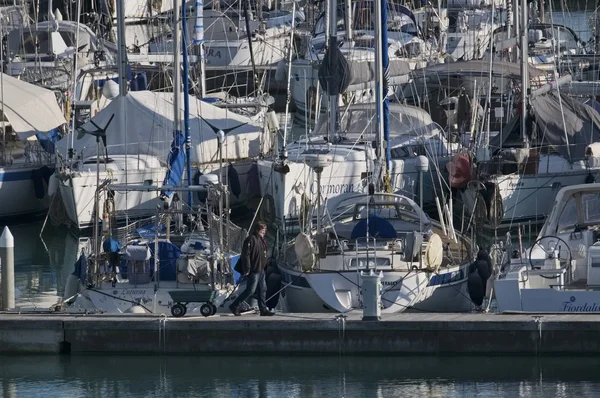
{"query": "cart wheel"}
[(206, 309), (178, 310), (214, 308)]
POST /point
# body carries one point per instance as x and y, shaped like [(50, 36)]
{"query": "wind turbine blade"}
[(214, 128), (233, 128)]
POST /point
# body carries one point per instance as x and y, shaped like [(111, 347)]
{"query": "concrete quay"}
[(302, 334)]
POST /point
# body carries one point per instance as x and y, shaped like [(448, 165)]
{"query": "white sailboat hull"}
[(514, 293), (21, 193), (340, 291), (77, 193), (529, 197), (123, 296)]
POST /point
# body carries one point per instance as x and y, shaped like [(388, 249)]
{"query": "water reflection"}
[(109, 376), (42, 263)]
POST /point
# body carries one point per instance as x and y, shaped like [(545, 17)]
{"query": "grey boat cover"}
[(363, 72), (478, 67), (569, 128)]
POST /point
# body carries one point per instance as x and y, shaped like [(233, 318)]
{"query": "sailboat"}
[(161, 269), (31, 122), (408, 50), (132, 148), (551, 142), (423, 266)]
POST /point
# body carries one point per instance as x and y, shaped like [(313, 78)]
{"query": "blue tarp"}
[(176, 162), (48, 140), (168, 254), (111, 245), (80, 267), (378, 228), (148, 232), (233, 261)]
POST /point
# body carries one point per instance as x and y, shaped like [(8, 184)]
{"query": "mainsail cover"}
[(566, 123), (149, 129), (28, 108), (559, 121)]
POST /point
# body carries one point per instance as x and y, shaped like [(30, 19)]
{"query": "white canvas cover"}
[(28, 108), (149, 129)]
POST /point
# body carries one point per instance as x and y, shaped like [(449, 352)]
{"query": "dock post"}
[(371, 295), (7, 258)]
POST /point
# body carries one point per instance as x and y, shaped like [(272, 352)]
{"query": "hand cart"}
[(182, 298)]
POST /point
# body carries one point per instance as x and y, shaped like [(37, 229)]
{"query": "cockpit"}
[(581, 210)]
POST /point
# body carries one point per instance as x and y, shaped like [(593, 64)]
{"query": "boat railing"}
[(92, 151), (31, 154), (363, 247)]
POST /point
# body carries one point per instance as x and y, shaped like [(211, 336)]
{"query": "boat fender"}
[(136, 309), (71, 287), (266, 212), (304, 208), (434, 253), (200, 195), (590, 179), (105, 222), (459, 170), (253, 182), (494, 205), (482, 255), (273, 287), (476, 288), (305, 251), (234, 181), (280, 72), (52, 185), (473, 267), (484, 272), (38, 183)]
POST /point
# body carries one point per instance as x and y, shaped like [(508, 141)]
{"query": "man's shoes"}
[(235, 310), (266, 312)]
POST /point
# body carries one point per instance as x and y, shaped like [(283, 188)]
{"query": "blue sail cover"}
[(379, 228), (176, 162)]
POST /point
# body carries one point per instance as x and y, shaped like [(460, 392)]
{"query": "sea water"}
[(297, 376)]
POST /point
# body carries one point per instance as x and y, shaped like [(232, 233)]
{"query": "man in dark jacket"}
[(254, 261)]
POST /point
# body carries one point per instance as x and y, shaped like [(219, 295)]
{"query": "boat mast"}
[(245, 8), (381, 64), (331, 44), (186, 103), (524, 74), (283, 154), (176, 68), (199, 42), (122, 69)]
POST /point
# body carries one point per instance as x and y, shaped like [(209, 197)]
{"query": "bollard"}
[(371, 295), (7, 258)]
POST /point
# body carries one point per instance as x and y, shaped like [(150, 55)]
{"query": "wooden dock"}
[(302, 334)]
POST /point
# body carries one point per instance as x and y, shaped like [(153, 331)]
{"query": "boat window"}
[(68, 38), (400, 153), (569, 217), (563, 36), (30, 39), (383, 211), (373, 262), (591, 207)]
